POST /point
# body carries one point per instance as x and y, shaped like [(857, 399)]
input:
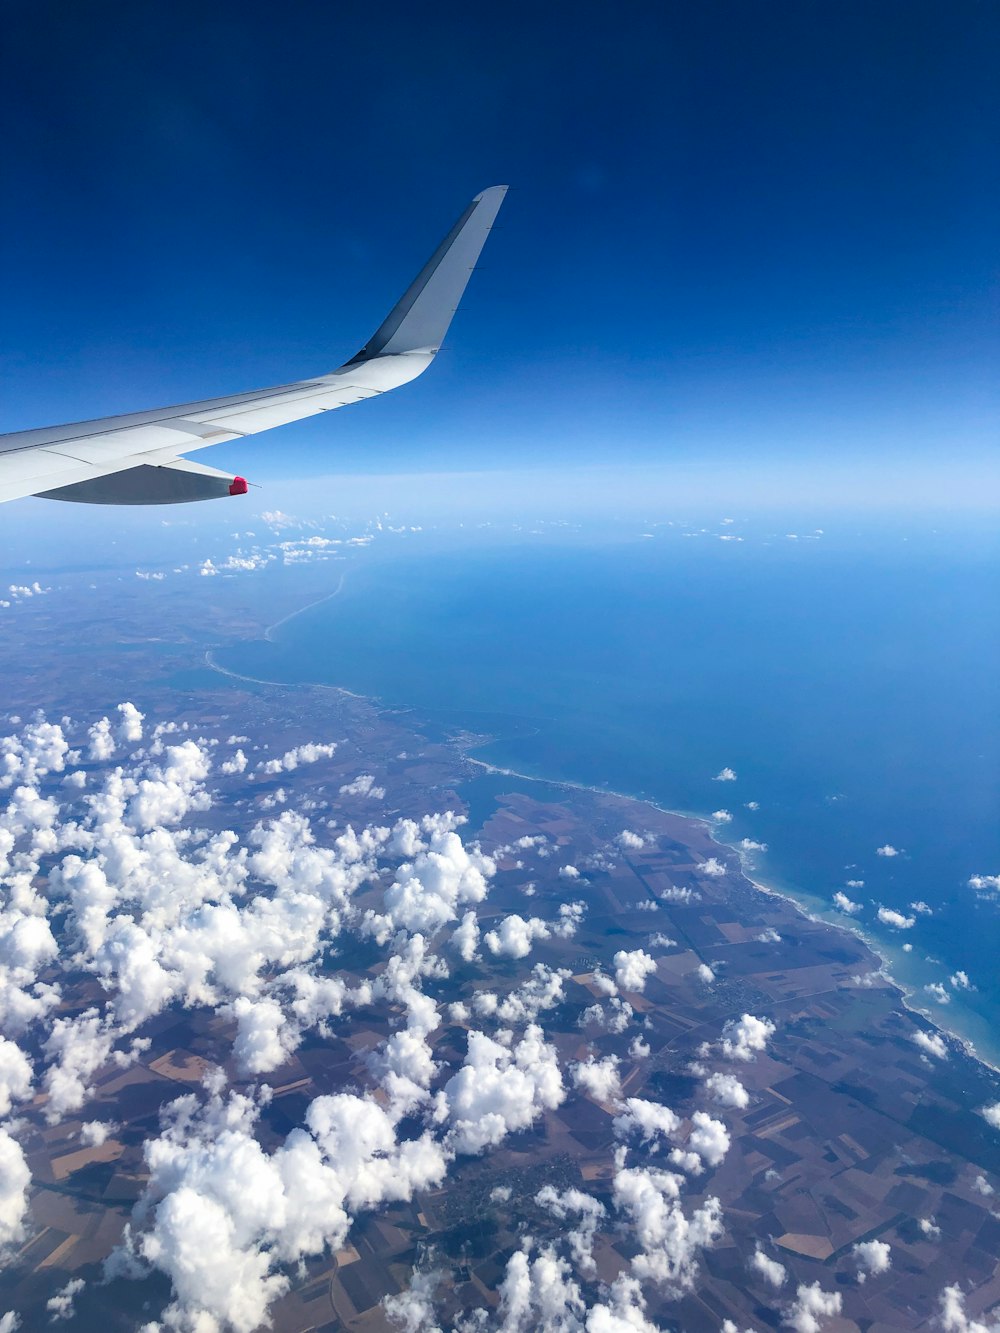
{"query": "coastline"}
[(464, 748), (851, 928)]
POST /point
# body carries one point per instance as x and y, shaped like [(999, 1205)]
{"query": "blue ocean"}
[(847, 672)]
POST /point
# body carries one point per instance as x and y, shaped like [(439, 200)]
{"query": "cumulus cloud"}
[(598, 1078), (887, 849), (514, 936), (15, 1075), (985, 883), (952, 1315), (60, 1306), (632, 968), (872, 1256), (890, 917), (499, 1090), (745, 1038), (629, 841), (773, 1273), (364, 786), (722, 817), (704, 973), (937, 992), (713, 868), (647, 1119), (14, 1180), (726, 1090), (309, 753), (670, 1241), (991, 1114), (708, 1138), (844, 904), (811, 1308), (587, 1213), (130, 726), (614, 1016), (725, 775), (931, 1043)]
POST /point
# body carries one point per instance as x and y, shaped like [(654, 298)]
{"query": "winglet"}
[(419, 321)]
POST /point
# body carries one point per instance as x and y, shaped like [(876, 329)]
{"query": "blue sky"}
[(737, 234)]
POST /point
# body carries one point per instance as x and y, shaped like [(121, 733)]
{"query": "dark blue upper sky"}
[(734, 229)]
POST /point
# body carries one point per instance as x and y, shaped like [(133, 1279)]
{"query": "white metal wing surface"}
[(137, 459)]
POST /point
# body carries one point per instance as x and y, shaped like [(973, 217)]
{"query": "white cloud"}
[(890, 917), (498, 1091), (991, 1114), (872, 1256), (773, 1273), (745, 1038), (704, 973), (726, 1090), (639, 1049), (629, 841), (589, 1212), (514, 936), (937, 992), (960, 981), (632, 968), (363, 785), (722, 817), (985, 883), (235, 764), (921, 908), (844, 904), (953, 1318), (931, 1044), (661, 941), (712, 868), (15, 1075), (130, 726), (598, 1078), (615, 1016), (811, 1308), (708, 1138), (749, 845), (725, 775), (102, 745), (887, 849), (670, 1240), (60, 1306), (982, 1186), (14, 1180), (412, 1310), (648, 1119), (309, 753), (465, 937), (95, 1132)]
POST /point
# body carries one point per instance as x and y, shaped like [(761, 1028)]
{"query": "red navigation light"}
[(238, 486)]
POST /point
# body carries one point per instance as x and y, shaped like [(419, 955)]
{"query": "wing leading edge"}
[(136, 459)]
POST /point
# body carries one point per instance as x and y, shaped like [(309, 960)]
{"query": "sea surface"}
[(849, 675)]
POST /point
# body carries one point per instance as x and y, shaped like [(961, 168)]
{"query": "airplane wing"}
[(137, 459)]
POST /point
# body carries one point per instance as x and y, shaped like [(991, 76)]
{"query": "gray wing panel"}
[(421, 318)]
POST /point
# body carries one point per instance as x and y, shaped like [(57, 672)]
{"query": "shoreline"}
[(464, 749), (965, 1043)]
